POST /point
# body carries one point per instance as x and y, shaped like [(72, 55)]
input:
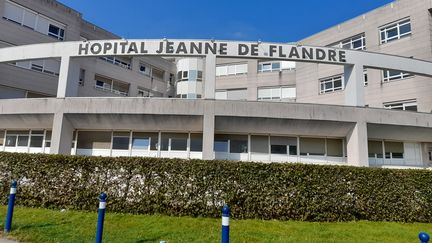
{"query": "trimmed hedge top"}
[(200, 188)]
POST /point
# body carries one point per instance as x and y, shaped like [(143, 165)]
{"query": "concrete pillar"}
[(210, 77), (354, 85), (68, 78), (357, 145), (62, 135), (208, 133)]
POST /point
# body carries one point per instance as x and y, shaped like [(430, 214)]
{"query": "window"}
[(365, 77), (231, 69), (276, 93), (275, 66), (48, 66), (36, 139), (312, 146), (221, 146), (117, 61), (81, 77), (120, 142), (390, 75), (17, 139), (196, 142), (56, 32), (143, 93), (279, 149), (33, 20), (331, 84), (231, 94), (110, 85), (357, 42), (394, 150), (395, 31), (182, 75), (408, 105)]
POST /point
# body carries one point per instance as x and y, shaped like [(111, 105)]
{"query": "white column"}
[(208, 135), (62, 135), (68, 78), (249, 148), (210, 77), (354, 85), (159, 144), (357, 145)]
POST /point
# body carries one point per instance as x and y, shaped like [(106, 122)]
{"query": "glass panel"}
[(221, 146), (179, 144), (405, 29), (120, 143), (94, 140), (164, 144), (10, 141), (2, 133), (313, 146), (36, 141), (23, 141), (259, 144), (292, 150), (394, 147), (392, 33), (278, 149), (334, 147), (196, 142)]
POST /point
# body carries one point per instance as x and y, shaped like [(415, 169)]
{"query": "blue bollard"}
[(225, 224), (101, 216), (424, 237), (11, 205)]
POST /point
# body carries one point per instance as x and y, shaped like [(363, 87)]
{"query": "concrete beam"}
[(354, 85), (357, 145)]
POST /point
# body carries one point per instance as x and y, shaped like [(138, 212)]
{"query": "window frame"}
[(331, 80), (384, 30)]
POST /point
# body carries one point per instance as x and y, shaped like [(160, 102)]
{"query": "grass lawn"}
[(42, 225)]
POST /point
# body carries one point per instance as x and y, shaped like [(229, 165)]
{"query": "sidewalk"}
[(2, 240)]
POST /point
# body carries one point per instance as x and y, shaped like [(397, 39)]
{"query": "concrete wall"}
[(418, 45)]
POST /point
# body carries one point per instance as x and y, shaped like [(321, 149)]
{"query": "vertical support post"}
[(210, 77), (354, 85), (357, 145), (68, 78), (62, 135), (424, 237), (11, 205), (208, 135), (159, 144), (101, 217), (225, 223), (188, 145), (249, 148)]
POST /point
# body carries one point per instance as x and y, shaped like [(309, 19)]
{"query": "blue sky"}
[(266, 20)]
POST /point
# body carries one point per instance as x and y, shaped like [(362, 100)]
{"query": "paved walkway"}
[(2, 240)]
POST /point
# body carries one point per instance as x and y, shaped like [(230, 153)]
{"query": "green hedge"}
[(200, 188)]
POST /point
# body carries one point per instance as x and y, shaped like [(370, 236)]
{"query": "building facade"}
[(248, 109)]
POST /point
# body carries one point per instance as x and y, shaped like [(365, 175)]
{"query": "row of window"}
[(33, 20), (117, 61), (387, 33), (190, 75), (48, 66), (242, 68), (336, 83), (111, 85), (34, 139), (264, 93)]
